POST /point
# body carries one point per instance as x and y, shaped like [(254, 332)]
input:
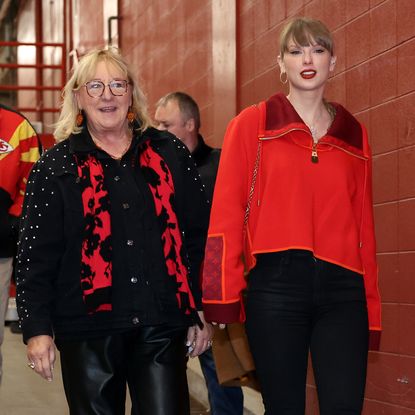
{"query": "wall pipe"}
[(110, 19)]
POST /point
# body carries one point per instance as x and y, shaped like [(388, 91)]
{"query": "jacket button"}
[(117, 178), (135, 320), (130, 242), (125, 206), (134, 280)]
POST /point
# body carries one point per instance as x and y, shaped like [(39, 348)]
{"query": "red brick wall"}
[(374, 79), (88, 25), (170, 44)]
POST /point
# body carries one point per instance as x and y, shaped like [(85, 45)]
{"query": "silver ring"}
[(210, 342), (31, 365)]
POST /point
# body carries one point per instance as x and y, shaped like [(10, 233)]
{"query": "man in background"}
[(179, 114), (19, 149)]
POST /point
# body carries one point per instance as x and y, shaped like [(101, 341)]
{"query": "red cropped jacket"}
[(323, 207)]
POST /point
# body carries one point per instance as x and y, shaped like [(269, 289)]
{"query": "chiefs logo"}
[(5, 147)]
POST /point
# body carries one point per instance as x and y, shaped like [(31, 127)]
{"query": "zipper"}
[(271, 137), (314, 154), (346, 151)]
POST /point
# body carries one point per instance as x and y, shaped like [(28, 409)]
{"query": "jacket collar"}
[(83, 143), (202, 150), (345, 131)]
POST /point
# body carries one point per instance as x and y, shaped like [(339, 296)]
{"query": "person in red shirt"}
[(19, 149), (293, 205)]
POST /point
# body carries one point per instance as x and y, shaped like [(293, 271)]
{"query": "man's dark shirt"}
[(207, 162)]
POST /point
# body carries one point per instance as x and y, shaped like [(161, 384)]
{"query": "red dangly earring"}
[(130, 116), (79, 118)]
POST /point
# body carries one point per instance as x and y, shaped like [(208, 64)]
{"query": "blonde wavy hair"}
[(83, 72)]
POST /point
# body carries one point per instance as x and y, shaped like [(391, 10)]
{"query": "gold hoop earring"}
[(286, 78)]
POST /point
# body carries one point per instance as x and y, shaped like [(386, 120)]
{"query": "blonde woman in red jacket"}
[(302, 165)]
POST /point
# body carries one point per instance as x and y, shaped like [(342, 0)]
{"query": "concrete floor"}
[(24, 393)]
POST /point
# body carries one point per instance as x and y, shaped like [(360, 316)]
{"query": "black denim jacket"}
[(49, 295)]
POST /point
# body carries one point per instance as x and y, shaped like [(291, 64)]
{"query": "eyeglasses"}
[(95, 89)]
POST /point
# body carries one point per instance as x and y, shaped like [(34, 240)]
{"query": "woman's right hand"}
[(221, 326), (41, 355)]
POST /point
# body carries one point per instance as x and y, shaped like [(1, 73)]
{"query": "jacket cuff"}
[(35, 329), (197, 297), (374, 340), (196, 291), (14, 224), (222, 313)]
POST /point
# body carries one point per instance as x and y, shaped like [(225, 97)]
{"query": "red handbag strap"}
[(261, 118)]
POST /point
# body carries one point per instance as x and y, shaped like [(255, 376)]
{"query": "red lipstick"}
[(308, 74)]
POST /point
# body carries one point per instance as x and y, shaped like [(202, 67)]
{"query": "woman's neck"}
[(309, 106), (114, 143), (313, 110), (110, 137)]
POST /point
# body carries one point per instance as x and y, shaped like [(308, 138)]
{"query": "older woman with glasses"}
[(110, 249)]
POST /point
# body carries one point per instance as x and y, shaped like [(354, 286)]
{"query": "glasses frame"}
[(107, 85)]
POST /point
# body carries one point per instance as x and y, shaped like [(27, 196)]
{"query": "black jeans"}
[(297, 304), (151, 360)]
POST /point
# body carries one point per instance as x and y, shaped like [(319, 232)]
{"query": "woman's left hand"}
[(198, 341), (41, 355)]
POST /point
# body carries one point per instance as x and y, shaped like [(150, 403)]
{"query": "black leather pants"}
[(151, 360)]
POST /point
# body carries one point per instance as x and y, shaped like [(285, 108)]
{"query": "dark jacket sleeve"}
[(194, 217), (40, 249), (8, 226)]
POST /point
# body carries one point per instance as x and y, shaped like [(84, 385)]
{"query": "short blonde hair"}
[(305, 31), (83, 72)]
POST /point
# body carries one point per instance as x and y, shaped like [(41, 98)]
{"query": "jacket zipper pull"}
[(314, 155)]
